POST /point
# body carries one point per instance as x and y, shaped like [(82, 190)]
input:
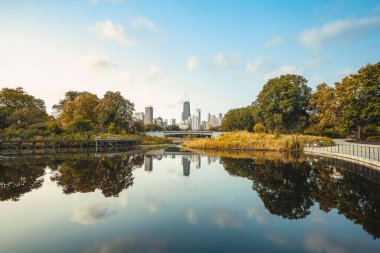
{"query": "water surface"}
[(184, 202)]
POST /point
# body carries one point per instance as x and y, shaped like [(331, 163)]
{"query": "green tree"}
[(69, 96), (83, 106), (20, 109), (282, 104), (172, 128), (113, 107), (238, 119), (80, 124), (152, 128), (359, 98)]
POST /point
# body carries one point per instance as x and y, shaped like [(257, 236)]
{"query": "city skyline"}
[(152, 56)]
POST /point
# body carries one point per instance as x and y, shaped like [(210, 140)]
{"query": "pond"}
[(181, 201)]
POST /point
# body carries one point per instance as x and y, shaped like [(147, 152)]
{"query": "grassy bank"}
[(243, 140)]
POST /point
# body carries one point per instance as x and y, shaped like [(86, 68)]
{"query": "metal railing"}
[(362, 151)]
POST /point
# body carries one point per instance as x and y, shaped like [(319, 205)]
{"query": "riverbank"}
[(243, 140)]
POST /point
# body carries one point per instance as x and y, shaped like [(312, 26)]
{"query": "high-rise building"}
[(148, 163), (220, 118), (148, 118), (186, 111), (198, 114), (186, 166), (159, 122), (139, 116), (172, 122), (209, 118), (195, 126)]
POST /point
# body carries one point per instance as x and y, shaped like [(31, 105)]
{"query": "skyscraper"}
[(186, 111), (198, 113), (148, 118)]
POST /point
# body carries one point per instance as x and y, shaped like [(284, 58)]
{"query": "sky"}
[(220, 53)]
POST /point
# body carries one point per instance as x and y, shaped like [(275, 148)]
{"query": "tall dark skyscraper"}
[(186, 111)]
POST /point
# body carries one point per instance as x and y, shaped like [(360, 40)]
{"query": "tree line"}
[(287, 105), (23, 115)]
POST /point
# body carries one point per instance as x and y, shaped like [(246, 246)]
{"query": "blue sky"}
[(219, 52)]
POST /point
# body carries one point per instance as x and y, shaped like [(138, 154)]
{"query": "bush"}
[(259, 128)]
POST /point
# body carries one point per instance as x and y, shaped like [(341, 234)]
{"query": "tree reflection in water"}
[(289, 189), (18, 177), (111, 175)]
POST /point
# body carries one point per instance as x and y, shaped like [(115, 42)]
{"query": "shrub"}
[(259, 128)]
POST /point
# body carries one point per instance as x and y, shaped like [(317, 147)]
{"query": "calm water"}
[(165, 202)]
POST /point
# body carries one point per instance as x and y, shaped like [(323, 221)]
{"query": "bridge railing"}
[(361, 151)]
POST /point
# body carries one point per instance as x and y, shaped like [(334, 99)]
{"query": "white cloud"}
[(254, 66), (96, 64), (152, 73), (192, 62), (341, 30), (274, 42), (131, 244), (153, 205), (281, 241), (110, 31), (192, 216), (227, 219), (222, 61), (256, 213), (90, 214), (286, 69), (142, 23), (318, 243)]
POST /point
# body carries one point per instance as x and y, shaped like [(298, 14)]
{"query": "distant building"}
[(158, 121), (139, 116), (148, 118), (220, 118), (198, 114), (208, 117), (186, 166), (173, 122), (195, 126), (148, 163), (203, 125), (186, 111)]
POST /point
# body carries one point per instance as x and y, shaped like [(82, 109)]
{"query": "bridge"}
[(209, 134)]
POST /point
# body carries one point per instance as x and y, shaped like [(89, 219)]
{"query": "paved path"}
[(345, 142), (360, 152)]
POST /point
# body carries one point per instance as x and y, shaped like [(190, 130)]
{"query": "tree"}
[(83, 106), (80, 124), (359, 98), (172, 128), (113, 107), (152, 128), (69, 96), (282, 104), (18, 107), (238, 119)]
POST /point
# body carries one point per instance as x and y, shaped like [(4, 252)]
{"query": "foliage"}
[(243, 140), (19, 109), (80, 124), (238, 119), (172, 128), (324, 107), (359, 98), (114, 108), (83, 106), (282, 104), (259, 128), (152, 128), (69, 96)]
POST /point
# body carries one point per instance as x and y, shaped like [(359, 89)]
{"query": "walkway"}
[(361, 153)]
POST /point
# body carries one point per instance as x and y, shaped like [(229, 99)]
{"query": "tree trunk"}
[(360, 130)]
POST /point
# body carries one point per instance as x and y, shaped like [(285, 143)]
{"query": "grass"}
[(243, 140)]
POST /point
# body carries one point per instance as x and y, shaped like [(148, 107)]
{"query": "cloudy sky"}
[(219, 52)]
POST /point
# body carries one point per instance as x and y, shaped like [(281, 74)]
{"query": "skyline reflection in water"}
[(171, 201)]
